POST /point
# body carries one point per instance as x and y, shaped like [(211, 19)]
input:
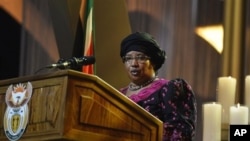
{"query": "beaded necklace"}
[(133, 87)]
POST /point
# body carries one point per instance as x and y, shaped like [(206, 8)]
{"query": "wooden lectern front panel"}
[(46, 108), (97, 114)]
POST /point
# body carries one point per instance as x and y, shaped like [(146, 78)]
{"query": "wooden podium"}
[(70, 105)]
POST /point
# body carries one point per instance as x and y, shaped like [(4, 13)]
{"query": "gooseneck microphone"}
[(73, 62)]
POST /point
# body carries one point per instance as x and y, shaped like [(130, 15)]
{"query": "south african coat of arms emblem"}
[(17, 111)]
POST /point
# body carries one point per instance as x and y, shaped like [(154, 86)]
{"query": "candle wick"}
[(238, 105)]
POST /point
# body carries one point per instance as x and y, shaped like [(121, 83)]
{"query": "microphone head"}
[(87, 60), (73, 63)]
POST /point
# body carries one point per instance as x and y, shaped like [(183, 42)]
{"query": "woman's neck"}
[(134, 87)]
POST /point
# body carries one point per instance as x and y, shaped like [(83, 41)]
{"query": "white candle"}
[(226, 95), (247, 94), (238, 115), (212, 121)]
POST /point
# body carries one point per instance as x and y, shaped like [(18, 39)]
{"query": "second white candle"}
[(226, 95)]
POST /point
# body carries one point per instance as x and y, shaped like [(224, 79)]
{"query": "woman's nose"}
[(134, 62)]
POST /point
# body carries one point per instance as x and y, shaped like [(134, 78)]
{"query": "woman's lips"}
[(134, 72)]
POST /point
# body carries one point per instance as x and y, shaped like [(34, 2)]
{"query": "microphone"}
[(73, 62)]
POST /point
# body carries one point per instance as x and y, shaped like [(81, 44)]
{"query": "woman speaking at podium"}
[(172, 101)]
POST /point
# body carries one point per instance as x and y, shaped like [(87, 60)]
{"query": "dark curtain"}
[(38, 44)]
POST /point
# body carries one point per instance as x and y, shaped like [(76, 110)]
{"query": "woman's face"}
[(139, 67)]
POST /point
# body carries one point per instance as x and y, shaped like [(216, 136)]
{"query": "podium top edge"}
[(68, 72)]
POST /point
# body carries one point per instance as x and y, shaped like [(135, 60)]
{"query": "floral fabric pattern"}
[(174, 103)]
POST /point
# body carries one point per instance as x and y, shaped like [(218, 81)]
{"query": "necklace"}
[(133, 87)]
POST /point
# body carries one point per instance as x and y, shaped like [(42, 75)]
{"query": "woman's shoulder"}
[(161, 81), (180, 82), (181, 86), (172, 82)]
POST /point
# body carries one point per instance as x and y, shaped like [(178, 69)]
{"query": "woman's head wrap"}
[(145, 43)]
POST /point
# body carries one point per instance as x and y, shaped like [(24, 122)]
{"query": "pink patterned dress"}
[(174, 103)]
